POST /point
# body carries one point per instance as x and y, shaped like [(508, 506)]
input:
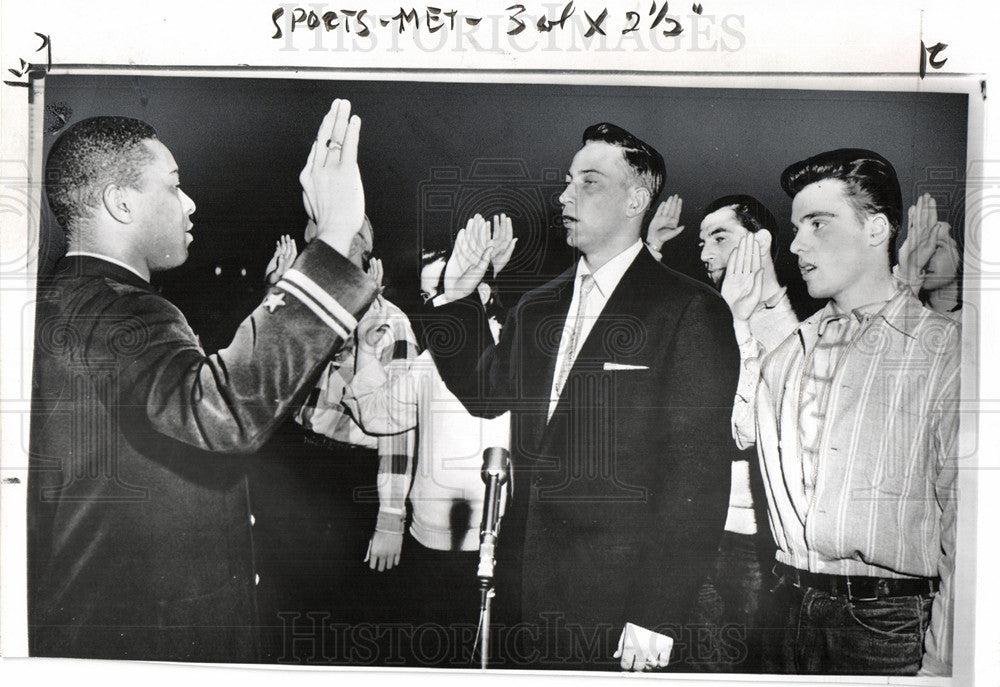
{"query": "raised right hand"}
[(920, 243), (663, 225), (469, 259), (744, 281), (503, 242), (331, 181), (285, 252)]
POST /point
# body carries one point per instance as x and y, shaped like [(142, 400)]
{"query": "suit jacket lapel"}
[(545, 322), (622, 304), (541, 325)]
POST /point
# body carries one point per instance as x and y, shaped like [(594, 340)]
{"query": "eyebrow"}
[(818, 213), (587, 171)]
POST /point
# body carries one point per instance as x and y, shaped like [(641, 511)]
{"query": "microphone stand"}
[(487, 593), (495, 474)]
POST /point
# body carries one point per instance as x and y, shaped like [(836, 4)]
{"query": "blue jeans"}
[(822, 634)]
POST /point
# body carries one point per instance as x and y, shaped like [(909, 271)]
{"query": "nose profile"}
[(796, 245), (565, 195), (188, 204)]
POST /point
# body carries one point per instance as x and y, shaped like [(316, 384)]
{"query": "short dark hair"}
[(750, 213), (645, 161), (429, 257), (87, 157), (870, 180)]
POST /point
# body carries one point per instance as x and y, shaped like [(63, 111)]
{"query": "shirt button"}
[(253, 520), (256, 579)]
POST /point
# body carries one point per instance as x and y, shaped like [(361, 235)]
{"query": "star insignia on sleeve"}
[(274, 300)]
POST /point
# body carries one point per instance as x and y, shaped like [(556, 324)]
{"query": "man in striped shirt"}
[(856, 433)]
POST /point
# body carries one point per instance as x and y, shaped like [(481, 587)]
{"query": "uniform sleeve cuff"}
[(332, 287)]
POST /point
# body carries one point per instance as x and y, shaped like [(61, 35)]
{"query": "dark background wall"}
[(434, 153)]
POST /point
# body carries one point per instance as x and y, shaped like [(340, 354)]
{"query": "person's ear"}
[(639, 199), (118, 202), (878, 228)]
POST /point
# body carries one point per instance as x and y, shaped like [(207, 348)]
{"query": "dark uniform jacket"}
[(620, 500), (140, 540)]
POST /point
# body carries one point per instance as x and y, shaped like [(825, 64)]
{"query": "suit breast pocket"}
[(624, 367)]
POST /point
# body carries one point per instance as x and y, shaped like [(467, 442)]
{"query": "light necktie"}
[(586, 286)]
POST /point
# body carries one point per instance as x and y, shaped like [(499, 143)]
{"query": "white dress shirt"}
[(88, 254), (606, 279)]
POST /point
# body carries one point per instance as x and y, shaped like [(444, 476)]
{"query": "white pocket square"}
[(622, 366)]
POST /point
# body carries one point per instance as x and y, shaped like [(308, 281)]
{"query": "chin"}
[(172, 261), (819, 292)]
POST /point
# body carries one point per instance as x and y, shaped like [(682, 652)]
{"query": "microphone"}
[(495, 473)]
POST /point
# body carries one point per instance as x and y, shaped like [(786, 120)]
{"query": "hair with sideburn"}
[(89, 156), (642, 158), (870, 182), (750, 213)]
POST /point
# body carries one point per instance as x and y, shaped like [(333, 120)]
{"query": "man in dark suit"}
[(140, 541), (619, 375)]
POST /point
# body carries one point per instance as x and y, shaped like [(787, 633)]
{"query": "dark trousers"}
[(824, 634), (430, 608), (315, 506), (727, 636)]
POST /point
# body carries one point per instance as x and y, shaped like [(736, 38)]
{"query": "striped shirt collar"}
[(897, 312)]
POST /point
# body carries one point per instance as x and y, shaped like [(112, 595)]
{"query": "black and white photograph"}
[(568, 371)]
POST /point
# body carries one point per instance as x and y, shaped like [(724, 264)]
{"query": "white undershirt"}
[(87, 254)]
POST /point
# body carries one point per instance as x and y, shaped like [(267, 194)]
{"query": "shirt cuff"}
[(367, 379), (389, 520)]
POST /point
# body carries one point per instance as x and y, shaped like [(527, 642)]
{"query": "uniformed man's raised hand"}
[(331, 182)]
